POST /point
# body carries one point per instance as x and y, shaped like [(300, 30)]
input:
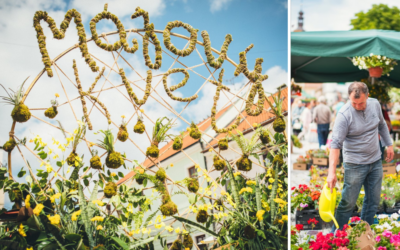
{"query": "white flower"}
[(396, 223), (388, 74), (384, 57), (387, 62), (394, 216), (387, 226), (391, 68), (359, 67), (379, 57), (371, 54), (382, 216)]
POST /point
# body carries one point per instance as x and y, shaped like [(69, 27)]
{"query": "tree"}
[(378, 17)]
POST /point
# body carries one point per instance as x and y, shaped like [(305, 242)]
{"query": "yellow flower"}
[(260, 214), (223, 192), (27, 203), (284, 217), (113, 174), (188, 129), (280, 201), (131, 233), (144, 230), (246, 189), (172, 165), (210, 150), (250, 182), (75, 215), (236, 174), (142, 110), (21, 230), (49, 168), (38, 209), (255, 124), (99, 227), (30, 140), (122, 116), (97, 218), (177, 230), (169, 228), (54, 197), (98, 202), (55, 174), (54, 220), (280, 221), (55, 156), (271, 180), (31, 248), (141, 170), (57, 95)]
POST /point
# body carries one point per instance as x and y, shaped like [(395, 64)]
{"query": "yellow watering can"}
[(327, 203)]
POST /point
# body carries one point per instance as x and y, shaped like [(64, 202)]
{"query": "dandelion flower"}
[(260, 214), (57, 95), (54, 220), (21, 230), (27, 203), (99, 227), (38, 209), (97, 218)]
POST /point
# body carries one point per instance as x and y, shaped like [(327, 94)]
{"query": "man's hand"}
[(389, 154), (331, 180)]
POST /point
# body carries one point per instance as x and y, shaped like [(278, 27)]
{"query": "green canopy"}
[(326, 56)]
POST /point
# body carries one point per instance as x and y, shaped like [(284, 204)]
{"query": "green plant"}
[(248, 147), (279, 124), (52, 111), (160, 131), (114, 159), (20, 112)]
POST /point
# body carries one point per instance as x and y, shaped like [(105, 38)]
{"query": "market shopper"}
[(306, 119), (356, 129), (322, 116)]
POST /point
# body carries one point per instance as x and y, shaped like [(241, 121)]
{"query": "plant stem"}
[(273, 194)]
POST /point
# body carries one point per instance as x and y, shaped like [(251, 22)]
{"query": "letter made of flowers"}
[(60, 34)]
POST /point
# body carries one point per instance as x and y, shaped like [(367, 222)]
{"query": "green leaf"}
[(120, 243), (86, 182), (145, 182), (195, 225), (85, 217), (141, 242), (120, 174), (21, 173), (92, 207), (192, 199), (73, 237), (59, 164)]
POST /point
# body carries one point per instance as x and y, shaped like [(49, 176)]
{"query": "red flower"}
[(355, 219), (313, 220), (293, 232), (293, 188), (345, 227), (341, 234), (299, 227), (315, 195)]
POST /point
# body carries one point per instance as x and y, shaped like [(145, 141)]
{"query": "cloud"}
[(276, 77), (330, 15), (217, 5)]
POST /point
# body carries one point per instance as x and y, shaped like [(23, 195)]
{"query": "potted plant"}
[(248, 147), (159, 135), (377, 65)]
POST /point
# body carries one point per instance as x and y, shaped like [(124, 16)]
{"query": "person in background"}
[(322, 116), (339, 103), (306, 119)]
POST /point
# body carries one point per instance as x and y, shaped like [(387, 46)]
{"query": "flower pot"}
[(375, 72)]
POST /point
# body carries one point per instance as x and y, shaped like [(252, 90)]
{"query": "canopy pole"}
[(312, 60)]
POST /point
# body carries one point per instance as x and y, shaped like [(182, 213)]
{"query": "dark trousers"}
[(323, 131)]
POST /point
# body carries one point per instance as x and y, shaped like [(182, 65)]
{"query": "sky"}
[(326, 15), (258, 22)]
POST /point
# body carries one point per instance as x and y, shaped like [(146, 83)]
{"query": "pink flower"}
[(343, 248), (378, 238), (382, 248), (387, 234), (395, 240)]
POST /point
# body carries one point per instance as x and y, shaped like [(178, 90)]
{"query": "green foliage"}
[(380, 16)]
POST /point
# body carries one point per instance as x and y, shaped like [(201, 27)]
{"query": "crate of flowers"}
[(302, 163), (320, 157), (304, 202)]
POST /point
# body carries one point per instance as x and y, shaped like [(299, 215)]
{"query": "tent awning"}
[(326, 56)]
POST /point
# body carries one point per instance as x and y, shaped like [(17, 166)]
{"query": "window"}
[(192, 172), (198, 242)]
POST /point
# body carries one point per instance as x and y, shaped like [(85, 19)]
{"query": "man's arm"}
[(385, 135), (314, 118), (339, 134), (333, 162)]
